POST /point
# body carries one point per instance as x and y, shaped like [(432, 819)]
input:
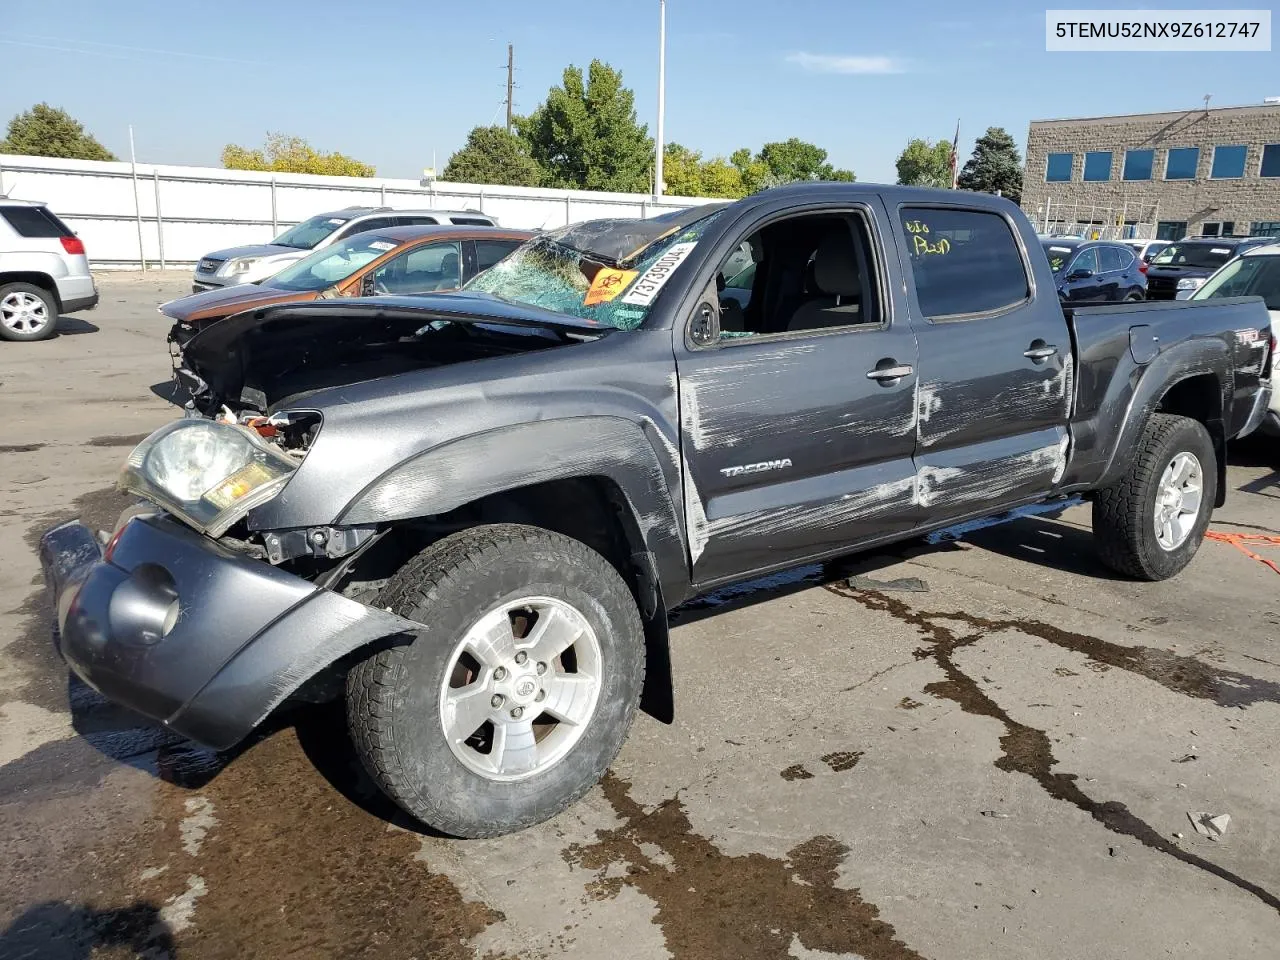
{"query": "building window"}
[(1228, 162), (1265, 228), (1218, 228), (1138, 164), (1058, 167), (1181, 163), (1171, 229), (1270, 161), (1097, 165)]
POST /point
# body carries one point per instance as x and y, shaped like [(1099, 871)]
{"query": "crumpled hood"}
[(260, 356)]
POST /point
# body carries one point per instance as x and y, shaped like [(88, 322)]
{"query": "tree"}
[(686, 174), (785, 161), (492, 155), (45, 131), (585, 136), (995, 165), (285, 154), (924, 163), (794, 159)]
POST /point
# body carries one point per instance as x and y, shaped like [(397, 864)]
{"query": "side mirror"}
[(1080, 275), (368, 286), (703, 329)]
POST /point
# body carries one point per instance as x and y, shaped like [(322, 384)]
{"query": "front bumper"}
[(183, 630)]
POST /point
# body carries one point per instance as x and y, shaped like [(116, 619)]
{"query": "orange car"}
[(397, 260)]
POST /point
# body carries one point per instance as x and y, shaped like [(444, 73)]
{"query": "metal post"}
[(662, 94), (1048, 206), (275, 224), (382, 194), (137, 206), (567, 215), (155, 179), (511, 76)]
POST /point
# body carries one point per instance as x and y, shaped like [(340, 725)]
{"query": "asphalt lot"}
[(1001, 766)]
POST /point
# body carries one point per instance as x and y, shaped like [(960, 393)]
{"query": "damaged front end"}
[(191, 612)]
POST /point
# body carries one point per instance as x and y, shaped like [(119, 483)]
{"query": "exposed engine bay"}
[(256, 363)]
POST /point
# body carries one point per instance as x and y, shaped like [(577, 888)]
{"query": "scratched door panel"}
[(991, 419), (792, 451)]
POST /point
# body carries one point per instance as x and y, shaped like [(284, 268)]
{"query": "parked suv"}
[(1095, 271), (257, 261), (43, 271), (1181, 268)]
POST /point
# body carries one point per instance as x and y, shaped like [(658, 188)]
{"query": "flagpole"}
[(955, 158)]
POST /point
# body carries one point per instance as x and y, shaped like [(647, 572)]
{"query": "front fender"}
[(636, 457)]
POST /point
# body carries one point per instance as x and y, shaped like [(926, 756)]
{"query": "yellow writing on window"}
[(921, 246), (916, 226)]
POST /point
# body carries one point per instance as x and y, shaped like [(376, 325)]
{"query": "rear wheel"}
[(517, 692), (1150, 522), (27, 312)]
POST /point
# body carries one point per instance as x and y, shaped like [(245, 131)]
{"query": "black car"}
[(1183, 266), (1095, 271)]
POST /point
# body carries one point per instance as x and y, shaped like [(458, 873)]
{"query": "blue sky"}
[(391, 81)]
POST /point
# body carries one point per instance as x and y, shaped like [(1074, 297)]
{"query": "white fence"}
[(167, 216)]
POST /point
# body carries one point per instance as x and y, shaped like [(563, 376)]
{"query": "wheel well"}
[(1200, 398), (590, 509), (41, 280)]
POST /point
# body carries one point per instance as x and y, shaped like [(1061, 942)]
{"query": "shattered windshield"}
[(547, 272)]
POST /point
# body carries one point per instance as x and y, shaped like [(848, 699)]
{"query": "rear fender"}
[(1139, 396)]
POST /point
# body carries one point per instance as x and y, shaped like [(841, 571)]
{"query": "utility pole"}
[(511, 72), (662, 93)]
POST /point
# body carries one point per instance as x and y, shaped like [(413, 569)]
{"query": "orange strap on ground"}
[(1241, 542)]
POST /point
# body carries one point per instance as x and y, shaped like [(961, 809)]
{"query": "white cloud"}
[(831, 63)]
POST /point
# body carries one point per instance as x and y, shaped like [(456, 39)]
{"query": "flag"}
[(955, 153)]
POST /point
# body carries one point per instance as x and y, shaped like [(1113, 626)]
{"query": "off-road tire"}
[(1124, 512), (393, 696), (50, 306)]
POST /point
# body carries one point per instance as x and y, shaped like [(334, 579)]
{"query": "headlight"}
[(243, 265), (1190, 283), (209, 474)]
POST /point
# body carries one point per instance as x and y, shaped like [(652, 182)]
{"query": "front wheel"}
[(516, 693), (1150, 522)]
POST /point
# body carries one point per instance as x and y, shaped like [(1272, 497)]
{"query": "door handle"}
[(1040, 351), (888, 371)]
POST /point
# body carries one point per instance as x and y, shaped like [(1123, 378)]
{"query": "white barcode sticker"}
[(652, 280)]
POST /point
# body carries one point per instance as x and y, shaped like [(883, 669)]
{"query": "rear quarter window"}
[(471, 221), (35, 222), (964, 263)]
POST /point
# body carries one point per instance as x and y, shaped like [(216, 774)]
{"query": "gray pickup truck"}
[(470, 514)]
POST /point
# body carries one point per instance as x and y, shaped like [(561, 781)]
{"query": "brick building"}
[(1205, 171)]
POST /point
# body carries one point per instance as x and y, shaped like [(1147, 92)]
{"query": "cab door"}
[(995, 382), (797, 425)]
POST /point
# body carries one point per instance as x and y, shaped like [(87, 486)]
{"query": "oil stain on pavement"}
[(1028, 751), (716, 906)]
